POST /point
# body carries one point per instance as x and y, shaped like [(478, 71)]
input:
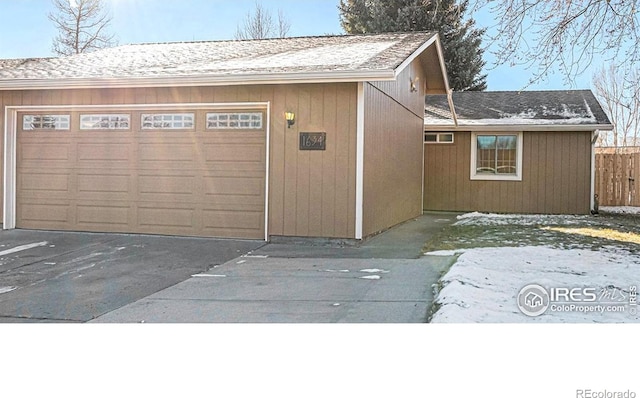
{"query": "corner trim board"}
[(360, 162)]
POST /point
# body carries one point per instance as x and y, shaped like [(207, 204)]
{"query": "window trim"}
[(437, 135), (496, 177)]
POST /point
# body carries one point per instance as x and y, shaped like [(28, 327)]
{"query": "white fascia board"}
[(517, 127), (415, 54), (194, 81)]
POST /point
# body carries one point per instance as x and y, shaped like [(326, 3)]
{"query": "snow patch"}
[(445, 253), (374, 271), (482, 286), (620, 209), (7, 289), (23, 248)]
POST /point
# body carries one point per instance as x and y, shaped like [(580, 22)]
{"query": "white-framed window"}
[(496, 156), (46, 122), (105, 121), (167, 121), (438, 138), (234, 120)]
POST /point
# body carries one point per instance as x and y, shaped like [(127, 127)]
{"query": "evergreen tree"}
[(460, 39)]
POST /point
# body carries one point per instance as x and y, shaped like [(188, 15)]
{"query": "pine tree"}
[(460, 39)]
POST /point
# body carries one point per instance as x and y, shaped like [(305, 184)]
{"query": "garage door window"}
[(168, 121), (234, 120), (46, 122), (105, 122)]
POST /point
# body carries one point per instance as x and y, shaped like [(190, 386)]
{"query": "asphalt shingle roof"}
[(322, 54), (517, 107)]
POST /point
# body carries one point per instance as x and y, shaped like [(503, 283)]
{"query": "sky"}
[(25, 30)]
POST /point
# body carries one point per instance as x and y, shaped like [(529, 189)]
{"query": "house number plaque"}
[(313, 141)]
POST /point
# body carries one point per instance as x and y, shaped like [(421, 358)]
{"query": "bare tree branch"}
[(82, 26), (259, 24), (563, 35), (618, 91), (284, 25)]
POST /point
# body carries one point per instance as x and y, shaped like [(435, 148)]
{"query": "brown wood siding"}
[(312, 193), (393, 163), (399, 89), (556, 177)]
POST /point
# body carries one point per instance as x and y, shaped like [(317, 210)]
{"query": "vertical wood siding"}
[(312, 193), (556, 177), (393, 151)]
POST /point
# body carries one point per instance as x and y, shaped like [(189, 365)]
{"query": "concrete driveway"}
[(106, 278)]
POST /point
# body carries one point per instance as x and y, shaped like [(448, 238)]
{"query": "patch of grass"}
[(566, 232)]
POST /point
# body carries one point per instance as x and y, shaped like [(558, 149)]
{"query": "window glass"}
[(438, 138), (234, 120), (46, 122), (105, 122), (496, 154), (168, 121), (430, 137)]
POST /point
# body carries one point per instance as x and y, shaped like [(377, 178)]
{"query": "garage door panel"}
[(191, 182), (167, 153), (46, 214), (41, 153), (96, 152), (110, 185), (235, 186), (234, 153), (32, 183), (240, 219), (104, 217), (167, 217)]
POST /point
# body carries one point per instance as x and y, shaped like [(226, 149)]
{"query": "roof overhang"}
[(193, 81), (429, 54), (518, 127), (432, 59)]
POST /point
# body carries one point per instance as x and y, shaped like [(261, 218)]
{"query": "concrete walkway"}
[(383, 280)]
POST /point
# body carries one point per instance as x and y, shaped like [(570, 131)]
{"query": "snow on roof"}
[(327, 55), (487, 108)]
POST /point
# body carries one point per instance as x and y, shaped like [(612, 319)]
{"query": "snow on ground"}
[(620, 209), (476, 218), (483, 285)]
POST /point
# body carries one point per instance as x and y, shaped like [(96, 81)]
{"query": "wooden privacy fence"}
[(617, 179)]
